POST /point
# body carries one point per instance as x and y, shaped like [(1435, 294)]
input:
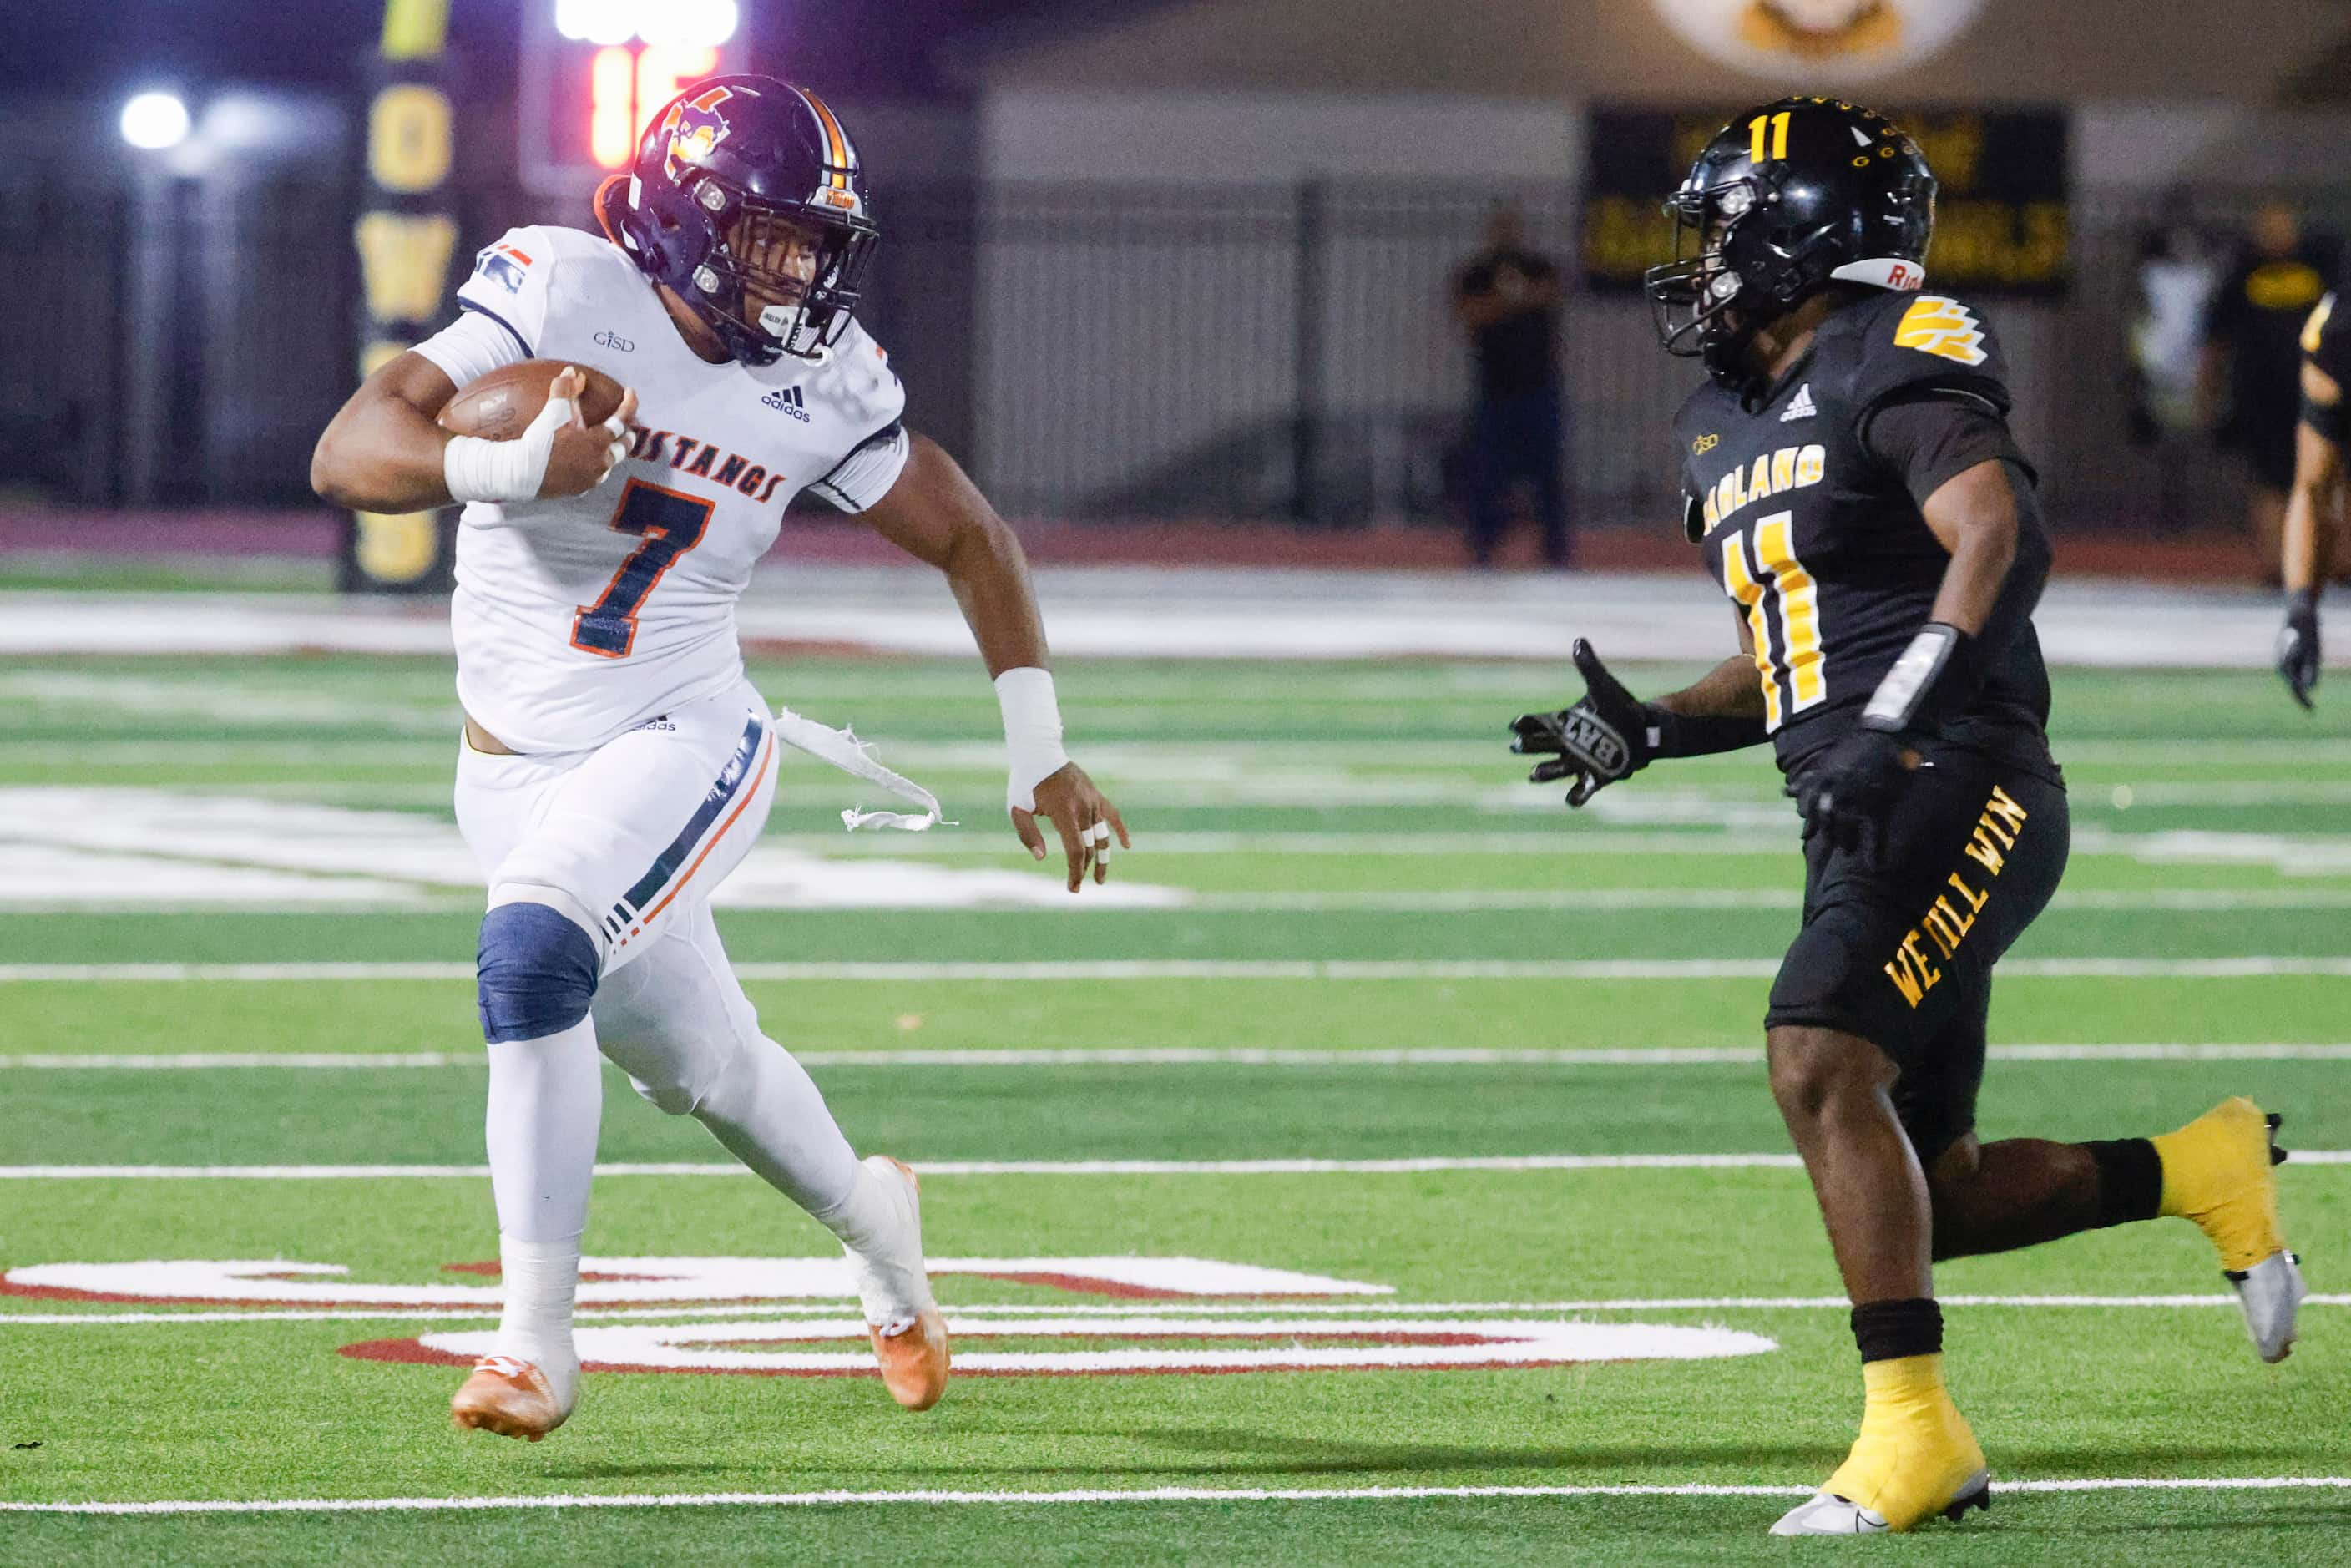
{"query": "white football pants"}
[(628, 842)]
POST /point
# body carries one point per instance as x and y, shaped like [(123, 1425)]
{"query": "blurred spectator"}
[(2252, 360), (2178, 267), (1508, 297)]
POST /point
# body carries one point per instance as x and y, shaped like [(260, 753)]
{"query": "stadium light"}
[(154, 120), (689, 24), (674, 24), (597, 21)]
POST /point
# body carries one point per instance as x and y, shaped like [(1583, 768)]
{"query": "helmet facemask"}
[(781, 279), (1691, 297), (1727, 280), (1743, 276)]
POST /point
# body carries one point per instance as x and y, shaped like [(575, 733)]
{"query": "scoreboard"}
[(594, 70)]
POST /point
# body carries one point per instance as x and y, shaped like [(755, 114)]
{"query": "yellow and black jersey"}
[(1806, 498)]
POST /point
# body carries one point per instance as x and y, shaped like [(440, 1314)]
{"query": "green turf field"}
[(1391, 1023)]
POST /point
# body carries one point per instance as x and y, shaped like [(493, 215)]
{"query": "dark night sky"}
[(105, 47)]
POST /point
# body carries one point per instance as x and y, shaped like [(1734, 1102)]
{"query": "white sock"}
[(770, 1116), (867, 1218), (546, 1098), (540, 1280)]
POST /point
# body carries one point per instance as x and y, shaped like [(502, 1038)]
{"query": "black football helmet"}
[(739, 147), (1788, 198)]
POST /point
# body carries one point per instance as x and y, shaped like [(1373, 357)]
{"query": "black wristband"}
[(1933, 679), (1687, 734)]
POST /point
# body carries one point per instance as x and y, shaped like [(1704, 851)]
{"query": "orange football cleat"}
[(913, 1359), (509, 1397), (902, 1316)]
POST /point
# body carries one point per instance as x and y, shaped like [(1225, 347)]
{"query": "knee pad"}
[(536, 972)]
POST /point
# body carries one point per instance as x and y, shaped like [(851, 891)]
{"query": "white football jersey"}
[(577, 619)]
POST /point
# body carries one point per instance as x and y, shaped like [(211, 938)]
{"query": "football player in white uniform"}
[(616, 764)]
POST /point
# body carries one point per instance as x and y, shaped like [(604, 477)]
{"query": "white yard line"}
[(1113, 1316), (301, 1060), (435, 721), (238, 703), (1162, 614), (1442, 901), (1182, 1056), (1774, 837), (1570, 900), (2255, 966), (928, 1167), (1220, 1495), (1292, 1166)]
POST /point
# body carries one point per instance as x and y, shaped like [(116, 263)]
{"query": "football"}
[(501, 405)]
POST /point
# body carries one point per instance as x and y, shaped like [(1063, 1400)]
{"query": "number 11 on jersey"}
[(1797, 648), (672, 523)]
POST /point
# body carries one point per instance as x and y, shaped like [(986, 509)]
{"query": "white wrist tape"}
[(1899, 697), (476, 469), (1032, 734)]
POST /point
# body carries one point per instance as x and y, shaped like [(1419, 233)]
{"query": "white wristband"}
[(1896, 702), (1032, 734), (476, 469)]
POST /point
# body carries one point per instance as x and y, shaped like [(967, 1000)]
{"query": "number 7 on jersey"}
[(672, 523)]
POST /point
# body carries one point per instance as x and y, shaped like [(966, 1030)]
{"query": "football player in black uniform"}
[(1850, 478), (2313, 507)]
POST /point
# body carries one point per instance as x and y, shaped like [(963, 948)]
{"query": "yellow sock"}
[(1904, 1380), (1915, 1451), (2216, 1172)]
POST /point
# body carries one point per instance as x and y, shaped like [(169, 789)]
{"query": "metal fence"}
[(1092, 351)]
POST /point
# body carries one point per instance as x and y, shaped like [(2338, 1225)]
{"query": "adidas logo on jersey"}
[(1801, 405), (788, 400)]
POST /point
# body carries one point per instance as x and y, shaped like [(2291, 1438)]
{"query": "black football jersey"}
[(2327, 338), (1820, 542)]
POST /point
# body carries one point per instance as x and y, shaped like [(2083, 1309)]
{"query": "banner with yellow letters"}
[(407, 236)]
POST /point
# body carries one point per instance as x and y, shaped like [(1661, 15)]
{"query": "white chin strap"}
[(788, 325)]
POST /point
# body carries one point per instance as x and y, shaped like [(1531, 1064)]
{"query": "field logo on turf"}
[(650, 1281), (1125, 1344), (1149, 1332)]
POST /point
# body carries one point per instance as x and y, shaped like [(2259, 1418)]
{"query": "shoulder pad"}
[(509, 283), (513, 261), (536, 280), (859, 385), (1924, 339)]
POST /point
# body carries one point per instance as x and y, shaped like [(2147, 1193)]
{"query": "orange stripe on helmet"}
[(835, 138), (602, 202)]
